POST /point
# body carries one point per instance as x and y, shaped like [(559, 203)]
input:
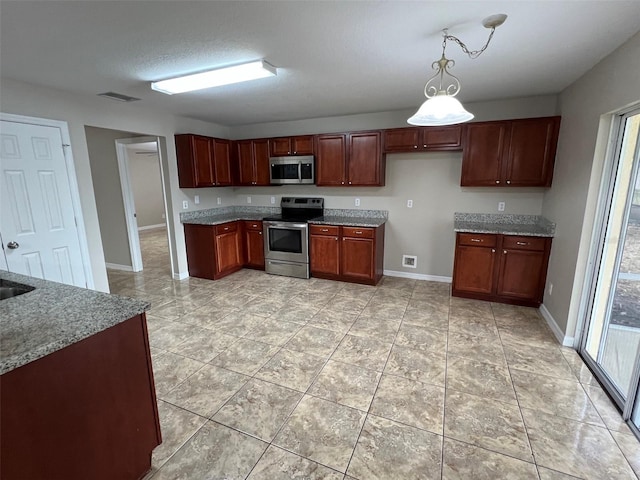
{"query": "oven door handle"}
[(286, 225)]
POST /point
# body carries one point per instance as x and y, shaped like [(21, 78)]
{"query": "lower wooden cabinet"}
[(213, 251), (501, 268), (347, 253), (253, 245)]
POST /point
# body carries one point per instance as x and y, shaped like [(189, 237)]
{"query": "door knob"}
[(13, 245)]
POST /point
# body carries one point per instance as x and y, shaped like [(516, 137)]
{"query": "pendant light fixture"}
[(441, 107)]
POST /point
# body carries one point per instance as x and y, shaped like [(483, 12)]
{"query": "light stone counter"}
[(54, 316), (506, 224)]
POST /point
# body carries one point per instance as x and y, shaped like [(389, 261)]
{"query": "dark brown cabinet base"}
[(86, 411), (213, 251), (348, 254), (501, 268)]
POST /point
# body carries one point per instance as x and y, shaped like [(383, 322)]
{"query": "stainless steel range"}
[(286, 236)]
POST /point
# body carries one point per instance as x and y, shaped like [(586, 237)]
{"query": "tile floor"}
[(266, 377)]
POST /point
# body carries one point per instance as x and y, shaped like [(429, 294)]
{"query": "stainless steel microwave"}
[(292, 170)]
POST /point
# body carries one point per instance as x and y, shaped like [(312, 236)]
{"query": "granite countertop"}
[(345, 217), (54, 316), (506, 224), (349, 221)]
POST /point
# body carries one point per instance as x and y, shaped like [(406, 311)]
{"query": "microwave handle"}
[(300, 171)]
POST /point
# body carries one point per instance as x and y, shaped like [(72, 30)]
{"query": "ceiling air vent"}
[(118, 96)]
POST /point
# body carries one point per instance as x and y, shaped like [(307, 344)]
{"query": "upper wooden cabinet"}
[(513, 153), (283, 146), (253, 162), (412, 139), (203, 161), (350, 159)]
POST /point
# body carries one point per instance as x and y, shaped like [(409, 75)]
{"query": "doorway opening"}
[(611, 340)]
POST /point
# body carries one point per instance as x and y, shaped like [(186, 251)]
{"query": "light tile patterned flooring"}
[(267, 377)]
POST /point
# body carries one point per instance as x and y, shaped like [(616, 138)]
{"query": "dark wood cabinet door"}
[(331, 157), (302, 145), (402, 139), (532, 151), (280, 147), (261, 161), (365, 165), (520, 274), (228, 257), (200, 243), (442, 138), (324, 254), (254, 247), (222, 162), (245, 162), (357, 258), (484, 149), (203, 161), (474, 269)]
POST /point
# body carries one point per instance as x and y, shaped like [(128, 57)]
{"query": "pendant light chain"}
[(472, 53)]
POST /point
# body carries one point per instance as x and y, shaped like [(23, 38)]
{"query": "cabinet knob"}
[(504, 251), (493, 250), (342, 183), (425, 145), (415, 146), (497, 181), (336, 238), (508, 181), (259, 233), (349, 183)]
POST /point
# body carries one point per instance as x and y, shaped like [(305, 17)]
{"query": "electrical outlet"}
[(501, 206), (550, 288), (185, 204), (410, 261), (273, 200), (248, 199), (357, 202), (196, 199), (219, 201), (409, 203)]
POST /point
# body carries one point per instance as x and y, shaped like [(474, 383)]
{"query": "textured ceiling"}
[(334, 58)]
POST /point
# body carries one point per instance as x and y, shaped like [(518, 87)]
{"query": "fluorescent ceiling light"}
[(215, 78)]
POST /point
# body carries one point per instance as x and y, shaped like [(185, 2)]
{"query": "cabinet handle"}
[(226, 228), (325, 229), (255, 225), (522, 243), (358, 232), (497, 181), (476, 240)]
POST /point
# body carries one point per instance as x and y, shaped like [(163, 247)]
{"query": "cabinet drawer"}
[(477, 239), (330, 230), (253, 225), (358, 232), (523, 243), (226, 228)]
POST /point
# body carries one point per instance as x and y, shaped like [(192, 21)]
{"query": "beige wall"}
[(144, 175), (24, 99), (108, 193), (586, 108)]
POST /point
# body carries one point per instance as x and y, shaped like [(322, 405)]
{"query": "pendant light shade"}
[(442, 109)]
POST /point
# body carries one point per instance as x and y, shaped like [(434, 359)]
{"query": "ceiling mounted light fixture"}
[(441, 107), (216, 78)]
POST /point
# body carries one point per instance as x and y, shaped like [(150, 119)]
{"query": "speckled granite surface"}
[(349, 221), (346, 217), (54, 316), (507, 224)]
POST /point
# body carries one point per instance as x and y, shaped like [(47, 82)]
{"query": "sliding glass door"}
[(612, 339)]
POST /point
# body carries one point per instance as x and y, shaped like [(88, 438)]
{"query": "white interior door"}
[(37, 221)]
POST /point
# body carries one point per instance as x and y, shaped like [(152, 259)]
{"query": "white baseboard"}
[(152, 227), (563, 339), (116, 266), (180, 275), (417, 276)]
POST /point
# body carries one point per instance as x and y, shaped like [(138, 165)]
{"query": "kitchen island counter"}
[(54, 316)]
